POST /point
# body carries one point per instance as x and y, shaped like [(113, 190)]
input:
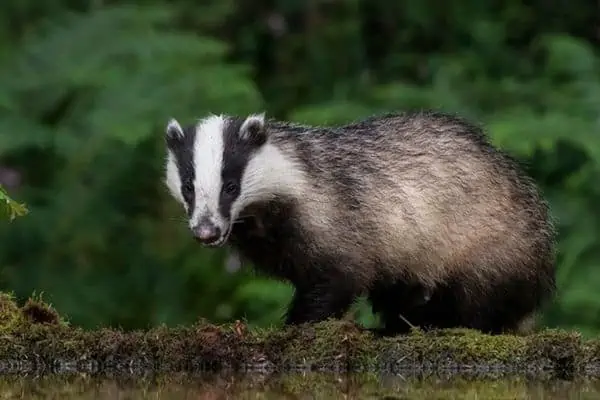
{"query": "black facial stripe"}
[(236, 154), (183, 150)]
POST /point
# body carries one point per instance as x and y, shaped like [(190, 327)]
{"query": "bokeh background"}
[(87, 86)]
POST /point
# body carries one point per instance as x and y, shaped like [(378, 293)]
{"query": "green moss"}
[(10, 314), (36, 332), (319, 346), (463, 346), (34, 312)]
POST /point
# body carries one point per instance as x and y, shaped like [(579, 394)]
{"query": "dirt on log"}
[(35, 339)]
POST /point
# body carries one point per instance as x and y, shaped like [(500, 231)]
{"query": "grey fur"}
[(418, 210)]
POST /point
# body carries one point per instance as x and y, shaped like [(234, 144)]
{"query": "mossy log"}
[(34, 339)]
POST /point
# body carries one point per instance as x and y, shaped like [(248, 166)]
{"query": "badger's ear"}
[(173, 131), (253, 129)]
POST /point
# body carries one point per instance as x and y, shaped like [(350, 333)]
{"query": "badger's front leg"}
[(326, 299)]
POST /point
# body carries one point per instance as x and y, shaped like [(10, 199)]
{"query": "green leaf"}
[(11, 208)]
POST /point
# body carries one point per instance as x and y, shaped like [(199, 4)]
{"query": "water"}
[(290, 386)]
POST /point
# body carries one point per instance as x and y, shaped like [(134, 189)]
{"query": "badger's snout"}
[(207, 232)]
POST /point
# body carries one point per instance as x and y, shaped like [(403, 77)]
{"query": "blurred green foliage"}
[(86, 88)]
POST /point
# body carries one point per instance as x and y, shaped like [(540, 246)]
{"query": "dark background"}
[(86, 88)]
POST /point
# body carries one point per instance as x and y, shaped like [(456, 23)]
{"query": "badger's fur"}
[(417, 210)]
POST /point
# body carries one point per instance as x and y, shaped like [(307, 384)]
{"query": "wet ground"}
[(292, 386)]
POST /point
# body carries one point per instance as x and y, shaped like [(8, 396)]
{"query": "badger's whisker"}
[(177, 219), (243, 219)]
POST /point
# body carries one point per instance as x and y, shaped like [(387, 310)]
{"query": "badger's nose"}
[(206, 232)]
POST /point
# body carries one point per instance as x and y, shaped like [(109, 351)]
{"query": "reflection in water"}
[(291, 386)]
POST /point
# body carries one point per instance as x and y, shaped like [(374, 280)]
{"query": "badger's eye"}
[(230, 188)]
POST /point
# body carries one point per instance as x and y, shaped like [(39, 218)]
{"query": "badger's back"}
[(419, 194), (416, 210)]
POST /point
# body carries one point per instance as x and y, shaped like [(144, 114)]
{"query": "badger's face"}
[(208, 171)]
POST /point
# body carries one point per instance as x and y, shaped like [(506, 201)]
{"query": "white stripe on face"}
[(208, 161)]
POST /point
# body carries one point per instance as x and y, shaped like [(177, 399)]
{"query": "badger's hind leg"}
[(320, 301), (510, 304), (500, 304)]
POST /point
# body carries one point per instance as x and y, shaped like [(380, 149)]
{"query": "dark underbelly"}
[(272, 241)]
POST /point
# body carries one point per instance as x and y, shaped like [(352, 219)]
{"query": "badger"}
[(415, 210)]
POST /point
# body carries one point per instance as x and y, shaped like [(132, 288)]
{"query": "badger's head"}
[(215, 169)]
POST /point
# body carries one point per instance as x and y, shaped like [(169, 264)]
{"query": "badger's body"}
[(416, 210)]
